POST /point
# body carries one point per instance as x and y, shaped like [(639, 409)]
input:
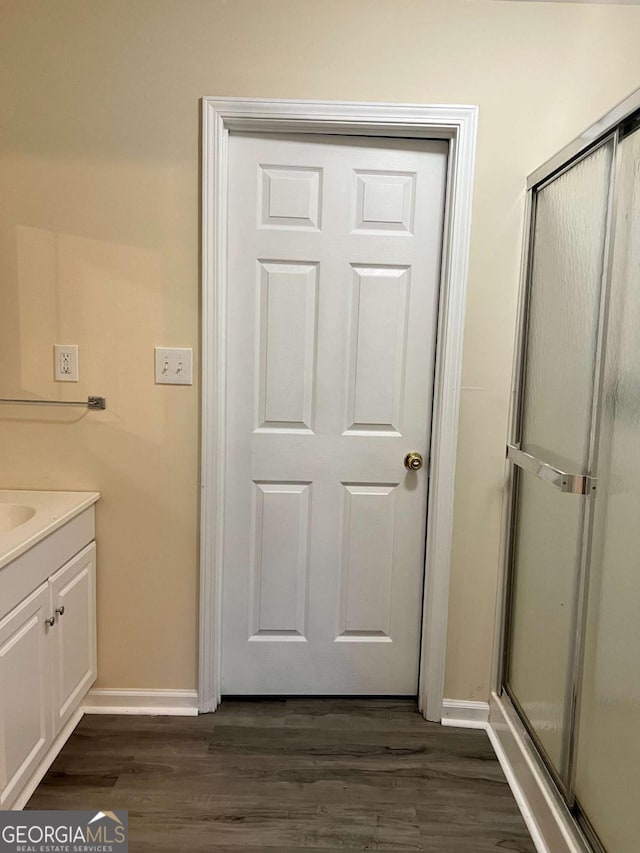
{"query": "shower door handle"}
[(575, 484)]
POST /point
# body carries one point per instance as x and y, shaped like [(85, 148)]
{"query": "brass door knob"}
[(413, 461)]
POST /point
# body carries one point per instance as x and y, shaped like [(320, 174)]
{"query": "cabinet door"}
[(25, 692), (73, 601)]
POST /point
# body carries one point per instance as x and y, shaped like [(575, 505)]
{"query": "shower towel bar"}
[(90, 403)]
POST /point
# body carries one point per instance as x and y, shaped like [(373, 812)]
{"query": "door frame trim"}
[(458, 125)]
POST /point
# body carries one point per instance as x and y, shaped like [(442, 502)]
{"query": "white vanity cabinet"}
[(47, 651), (26, 722), (73, 636), (73, 606)]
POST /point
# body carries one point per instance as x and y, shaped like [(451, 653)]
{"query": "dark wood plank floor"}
[(313, 775)]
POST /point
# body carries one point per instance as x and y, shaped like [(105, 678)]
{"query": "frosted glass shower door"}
[(566, 271), (607, 783)]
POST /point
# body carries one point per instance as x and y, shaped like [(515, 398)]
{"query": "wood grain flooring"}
[(285, 776)]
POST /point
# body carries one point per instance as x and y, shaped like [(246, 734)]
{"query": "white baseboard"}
[(465, 714), (174, 703), (548, 820), (25, 794)]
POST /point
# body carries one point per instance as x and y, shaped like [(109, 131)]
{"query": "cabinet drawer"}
[(32, 568)]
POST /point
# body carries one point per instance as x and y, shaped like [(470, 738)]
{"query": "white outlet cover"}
[(174, 365), (65, 363)]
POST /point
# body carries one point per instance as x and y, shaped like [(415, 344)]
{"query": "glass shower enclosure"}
[(571, 645)]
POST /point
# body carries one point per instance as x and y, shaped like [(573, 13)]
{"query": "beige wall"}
[(99, 182)]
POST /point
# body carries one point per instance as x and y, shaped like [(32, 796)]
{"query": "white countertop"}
[(51, 511)]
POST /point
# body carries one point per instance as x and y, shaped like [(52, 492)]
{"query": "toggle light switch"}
[(174, 366)]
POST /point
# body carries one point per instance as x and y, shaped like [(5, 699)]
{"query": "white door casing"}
[(456, 124), (331, 320)]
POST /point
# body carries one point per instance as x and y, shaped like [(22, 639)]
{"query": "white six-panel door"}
[(333, 266)]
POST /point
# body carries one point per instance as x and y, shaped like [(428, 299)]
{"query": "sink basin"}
[(27, 517), (13, 515)]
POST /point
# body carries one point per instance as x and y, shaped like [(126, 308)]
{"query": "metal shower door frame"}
[(606, 131)]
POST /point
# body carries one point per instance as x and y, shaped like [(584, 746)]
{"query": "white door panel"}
[(334, 261)]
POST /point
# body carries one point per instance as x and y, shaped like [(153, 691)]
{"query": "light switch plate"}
[(65, 363), (174, 365)]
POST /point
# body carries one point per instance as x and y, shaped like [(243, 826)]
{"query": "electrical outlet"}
[(174, 366), (65, 362)]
